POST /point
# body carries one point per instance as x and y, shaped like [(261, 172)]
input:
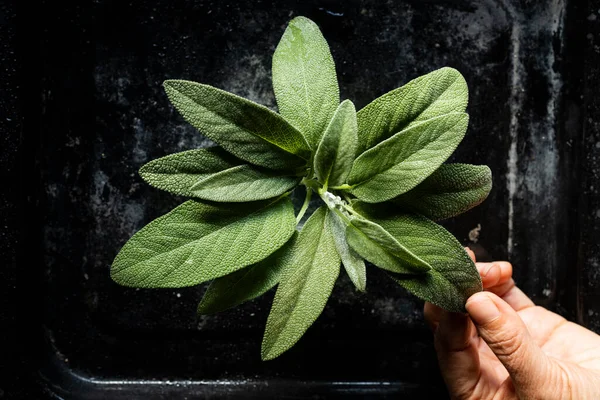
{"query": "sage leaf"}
[(213, 174), (377, 246), (245, 284), (248, 130), (352, 262), (451, 190), (336, 151), (401, 162), (243, 183), (453, 277), (198, 241), (304, 79), (306, 283), (440, 92), (177, 173)]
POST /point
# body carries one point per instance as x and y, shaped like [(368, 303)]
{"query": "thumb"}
[(502, 329)]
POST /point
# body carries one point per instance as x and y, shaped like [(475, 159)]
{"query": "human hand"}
[(509, 348)]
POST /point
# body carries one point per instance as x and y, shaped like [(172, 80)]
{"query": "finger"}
[(510, 293), (432, 314), (471, 253), (494, 273), (505, 333), (456, 346)]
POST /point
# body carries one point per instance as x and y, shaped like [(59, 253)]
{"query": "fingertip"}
[(490, 274), (471, 253), (482, 308), (494, 273), (432, 314), (432, 309), (453, 331), (506, 271)]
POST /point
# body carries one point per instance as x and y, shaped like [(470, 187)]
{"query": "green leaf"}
[(248, 130), (306, 284), (353, 263), (304, 79), (401, 162), (197, 242), (245, 284), (335, 154), (243, 183), (437, 93), (177, 173), (453, 277), (451, 190), (213, 174), (377, 246)]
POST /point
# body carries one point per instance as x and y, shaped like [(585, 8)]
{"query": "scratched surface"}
[(103, 114)]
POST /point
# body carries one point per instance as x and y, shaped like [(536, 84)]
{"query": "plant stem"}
[(345, 186), (351, 210), (346, 197), (305, 205)]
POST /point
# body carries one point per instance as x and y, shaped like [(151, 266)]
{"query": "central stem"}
[(335, 203)]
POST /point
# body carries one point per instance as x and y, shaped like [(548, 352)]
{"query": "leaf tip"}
[(173, 85), (143, 172), (118, 277), (266, 353), (203, 308), (300, 19), (347, 105), (167, 84)]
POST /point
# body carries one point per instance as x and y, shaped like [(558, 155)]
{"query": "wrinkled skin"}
[(509, 348)]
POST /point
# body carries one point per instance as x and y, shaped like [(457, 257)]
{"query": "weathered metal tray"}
[(92, 111)]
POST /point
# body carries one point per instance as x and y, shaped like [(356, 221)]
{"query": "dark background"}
[(82, 108)]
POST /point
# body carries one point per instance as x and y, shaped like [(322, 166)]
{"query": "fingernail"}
[(482, 309)]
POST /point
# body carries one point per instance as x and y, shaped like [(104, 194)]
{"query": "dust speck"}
[(474, 233)]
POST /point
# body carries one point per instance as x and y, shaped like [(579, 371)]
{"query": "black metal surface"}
[(93, 111)]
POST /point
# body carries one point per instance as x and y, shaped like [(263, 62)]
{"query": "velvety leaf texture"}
[(197, 242), (243, 183), (304, 79), (245, 284), (335, 154), (352, 262), (377, 246), (453, 277), (306, 284), (248, 130), (451, 190), (177, 173), (437, 93), (401, 162)]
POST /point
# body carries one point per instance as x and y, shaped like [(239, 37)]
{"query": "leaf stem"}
[(305, 205), (348, 208), (346, 197), (345, 186)]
